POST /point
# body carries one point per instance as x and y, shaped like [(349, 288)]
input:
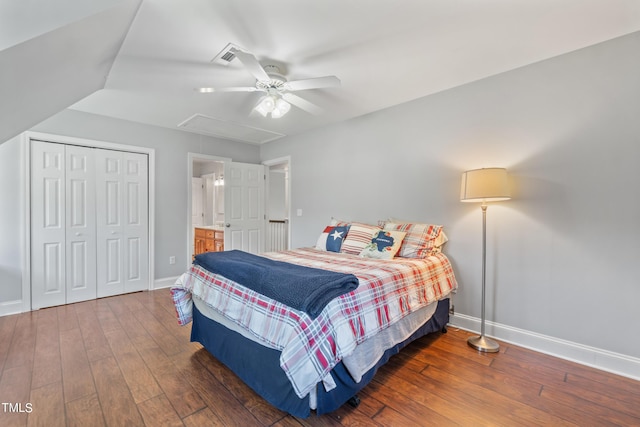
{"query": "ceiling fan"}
[(278, 97)]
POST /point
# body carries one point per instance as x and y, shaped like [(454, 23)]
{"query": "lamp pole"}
[(482, 343)]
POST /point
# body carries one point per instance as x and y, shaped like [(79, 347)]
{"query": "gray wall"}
[(11, 220), (562, 255), (171, 148), (277, 203)]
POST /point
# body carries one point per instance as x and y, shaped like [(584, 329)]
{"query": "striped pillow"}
[(359, 236), (421, 239)]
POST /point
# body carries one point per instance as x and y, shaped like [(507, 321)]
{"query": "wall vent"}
[(226, 55)]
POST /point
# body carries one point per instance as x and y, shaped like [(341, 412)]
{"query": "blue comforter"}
[(303, 288)]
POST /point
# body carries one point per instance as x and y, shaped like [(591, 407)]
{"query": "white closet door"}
[(244, 207), (80, 224), (110, 228), (47, 225), (122, 222), (136, 222)]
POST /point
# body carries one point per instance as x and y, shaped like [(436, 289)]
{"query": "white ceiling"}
[(384, 52)]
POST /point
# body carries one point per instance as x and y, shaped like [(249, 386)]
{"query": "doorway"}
[(205, 198), (240, 207), (207, 193), (278, 204)]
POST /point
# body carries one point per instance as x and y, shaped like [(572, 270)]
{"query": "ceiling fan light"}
[(282, 107), (266, 105), (261, 110)]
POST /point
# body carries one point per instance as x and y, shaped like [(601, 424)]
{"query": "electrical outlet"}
[(172, 260)]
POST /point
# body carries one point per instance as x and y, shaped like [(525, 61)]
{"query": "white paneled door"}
[(48, 253), (89, 223), (244, 207), (80, 239), (63, 233), (122, 222)]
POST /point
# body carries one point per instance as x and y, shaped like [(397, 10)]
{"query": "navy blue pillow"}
[(331, 238)]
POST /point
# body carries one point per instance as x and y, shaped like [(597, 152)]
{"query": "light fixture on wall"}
[(484, 185), (273, 104)]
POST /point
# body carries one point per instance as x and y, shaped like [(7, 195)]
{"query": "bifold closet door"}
[(63, 226), (122, 222)]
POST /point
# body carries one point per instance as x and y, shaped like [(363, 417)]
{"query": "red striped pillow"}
[(358, 237), (421, 239)]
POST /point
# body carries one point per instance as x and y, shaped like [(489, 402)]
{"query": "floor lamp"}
[(484, 185)]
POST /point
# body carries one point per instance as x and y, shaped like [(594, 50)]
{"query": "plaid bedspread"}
[(388, 291)]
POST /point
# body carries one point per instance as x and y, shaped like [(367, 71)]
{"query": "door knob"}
[(78, 234), (227, 225)]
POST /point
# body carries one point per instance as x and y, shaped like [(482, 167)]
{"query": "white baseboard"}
[(605, 360), (166, 282), (15, 307), (11, 307)]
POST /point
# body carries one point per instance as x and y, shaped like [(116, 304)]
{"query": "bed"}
[(301, 360)]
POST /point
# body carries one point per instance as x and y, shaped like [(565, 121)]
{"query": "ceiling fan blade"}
[(302, 103), (226, 89), (252, 65), (315, 83)]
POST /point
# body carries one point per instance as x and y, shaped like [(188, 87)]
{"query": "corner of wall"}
[(605, 360), (11, 307)]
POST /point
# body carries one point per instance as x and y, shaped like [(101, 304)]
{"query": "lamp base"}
[(484, 344)]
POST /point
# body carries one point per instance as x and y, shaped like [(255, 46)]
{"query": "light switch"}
[(299, 212)]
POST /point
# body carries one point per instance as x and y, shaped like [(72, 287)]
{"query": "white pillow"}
[(384, 244)]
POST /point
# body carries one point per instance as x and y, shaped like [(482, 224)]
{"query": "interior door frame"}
[(26, 195), (279, 161), (191, 157)]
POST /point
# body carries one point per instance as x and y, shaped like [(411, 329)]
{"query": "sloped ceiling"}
[(54, 54), (384, 52)]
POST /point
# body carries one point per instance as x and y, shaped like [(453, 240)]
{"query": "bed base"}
[(259, 366)]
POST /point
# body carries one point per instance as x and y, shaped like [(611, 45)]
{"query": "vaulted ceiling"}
[(140, 60)]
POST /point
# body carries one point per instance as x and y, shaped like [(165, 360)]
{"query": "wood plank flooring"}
[(124, 361)]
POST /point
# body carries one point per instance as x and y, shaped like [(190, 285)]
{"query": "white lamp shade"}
[(485, 185)]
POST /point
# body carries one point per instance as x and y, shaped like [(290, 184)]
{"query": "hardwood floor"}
[(124, 361)]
